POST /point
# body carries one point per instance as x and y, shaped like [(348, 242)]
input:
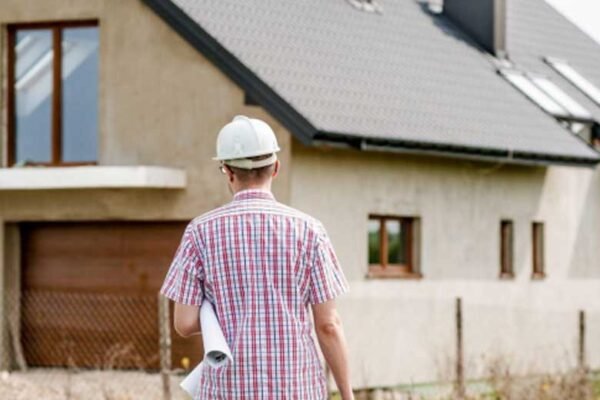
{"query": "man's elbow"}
[(331, 327), (186, 320), (186, 328)]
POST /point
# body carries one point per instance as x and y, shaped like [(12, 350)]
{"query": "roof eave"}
[(453, 151)]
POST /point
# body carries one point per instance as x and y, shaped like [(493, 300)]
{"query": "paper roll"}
[(192, 381), (216, 349)]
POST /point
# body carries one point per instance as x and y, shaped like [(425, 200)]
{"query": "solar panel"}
[(569, 73)]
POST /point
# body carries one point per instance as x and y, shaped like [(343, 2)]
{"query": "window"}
[(547, 95), (595, 134), (506, 249), (367, 5), (534, 93), (392, 245), (538, 250), (570, 74), (52, 93), (567, 102), (584, 130)]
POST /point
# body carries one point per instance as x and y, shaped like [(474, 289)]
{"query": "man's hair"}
[(254, 175)]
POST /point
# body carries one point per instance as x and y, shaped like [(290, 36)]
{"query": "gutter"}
[(508, 156)]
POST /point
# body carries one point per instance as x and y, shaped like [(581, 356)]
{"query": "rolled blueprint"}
[(216, 349)]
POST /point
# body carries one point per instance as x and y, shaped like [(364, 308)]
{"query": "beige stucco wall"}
[(402, 331), (160, 103)]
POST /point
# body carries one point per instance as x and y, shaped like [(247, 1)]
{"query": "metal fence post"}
[(459, 385), (165, 345)]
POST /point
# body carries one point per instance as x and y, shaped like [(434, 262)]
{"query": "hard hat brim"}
[(245, 163), (262, 153)]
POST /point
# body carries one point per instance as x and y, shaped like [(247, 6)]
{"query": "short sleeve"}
[(327, 280), (185, 278)]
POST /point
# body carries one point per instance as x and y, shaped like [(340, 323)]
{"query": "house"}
[(449, 153)]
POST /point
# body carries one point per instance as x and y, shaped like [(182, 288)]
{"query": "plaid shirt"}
[(260, 263)]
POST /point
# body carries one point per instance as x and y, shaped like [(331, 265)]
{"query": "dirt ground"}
[(45, 384)]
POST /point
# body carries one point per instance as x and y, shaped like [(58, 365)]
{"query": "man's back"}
[(260, 264)]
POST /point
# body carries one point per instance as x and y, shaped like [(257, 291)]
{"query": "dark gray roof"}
[(403, 78)]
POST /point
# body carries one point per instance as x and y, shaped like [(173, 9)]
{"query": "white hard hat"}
[(244, 138)]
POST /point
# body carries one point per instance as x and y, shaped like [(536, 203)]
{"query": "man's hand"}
[(328, 327), (187, 320)]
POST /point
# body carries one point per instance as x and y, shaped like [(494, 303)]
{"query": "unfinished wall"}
[(532, 324), (161, 103)]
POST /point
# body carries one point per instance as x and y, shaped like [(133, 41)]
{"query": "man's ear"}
[(229, 173), (276, 169)]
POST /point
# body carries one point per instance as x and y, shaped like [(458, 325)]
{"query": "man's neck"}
[(264, 187)]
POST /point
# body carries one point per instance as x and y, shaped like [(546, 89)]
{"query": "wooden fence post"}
[(459, 385), (581, 342), (165, 345)]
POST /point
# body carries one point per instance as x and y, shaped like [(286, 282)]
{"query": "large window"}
[(392, 246), (52, 93)]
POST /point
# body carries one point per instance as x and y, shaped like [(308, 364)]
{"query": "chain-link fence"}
[(79, 345)]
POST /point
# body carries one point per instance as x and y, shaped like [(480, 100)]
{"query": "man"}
[(261, 264)]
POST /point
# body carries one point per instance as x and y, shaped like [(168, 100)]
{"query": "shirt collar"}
[(250, 194)]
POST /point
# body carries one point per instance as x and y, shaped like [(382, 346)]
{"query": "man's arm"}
[(330, 333), (187, 320)]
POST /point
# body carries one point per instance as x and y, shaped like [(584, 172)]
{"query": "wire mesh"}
[(80, 345)]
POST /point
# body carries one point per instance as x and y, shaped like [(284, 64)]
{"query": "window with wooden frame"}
[(506, 250), (538, 250), (52, 72), (393, 247)]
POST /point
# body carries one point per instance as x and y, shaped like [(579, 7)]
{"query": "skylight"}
[(547, 95), (535, 94), (566, 101), (367, 5), (569, 73)]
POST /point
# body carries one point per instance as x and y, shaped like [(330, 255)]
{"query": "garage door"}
[(90, 294)]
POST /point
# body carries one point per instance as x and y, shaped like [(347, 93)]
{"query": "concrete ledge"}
[(92, 177)]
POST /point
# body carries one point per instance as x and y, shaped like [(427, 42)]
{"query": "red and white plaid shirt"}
[(260, 263)]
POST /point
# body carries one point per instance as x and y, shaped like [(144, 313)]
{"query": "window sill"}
[(378, 272), (92, 177), (538, 276), (507, 276)]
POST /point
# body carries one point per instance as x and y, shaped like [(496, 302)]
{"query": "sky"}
[(584, 13)]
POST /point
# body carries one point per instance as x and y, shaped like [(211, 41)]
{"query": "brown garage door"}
[(90, 294)]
